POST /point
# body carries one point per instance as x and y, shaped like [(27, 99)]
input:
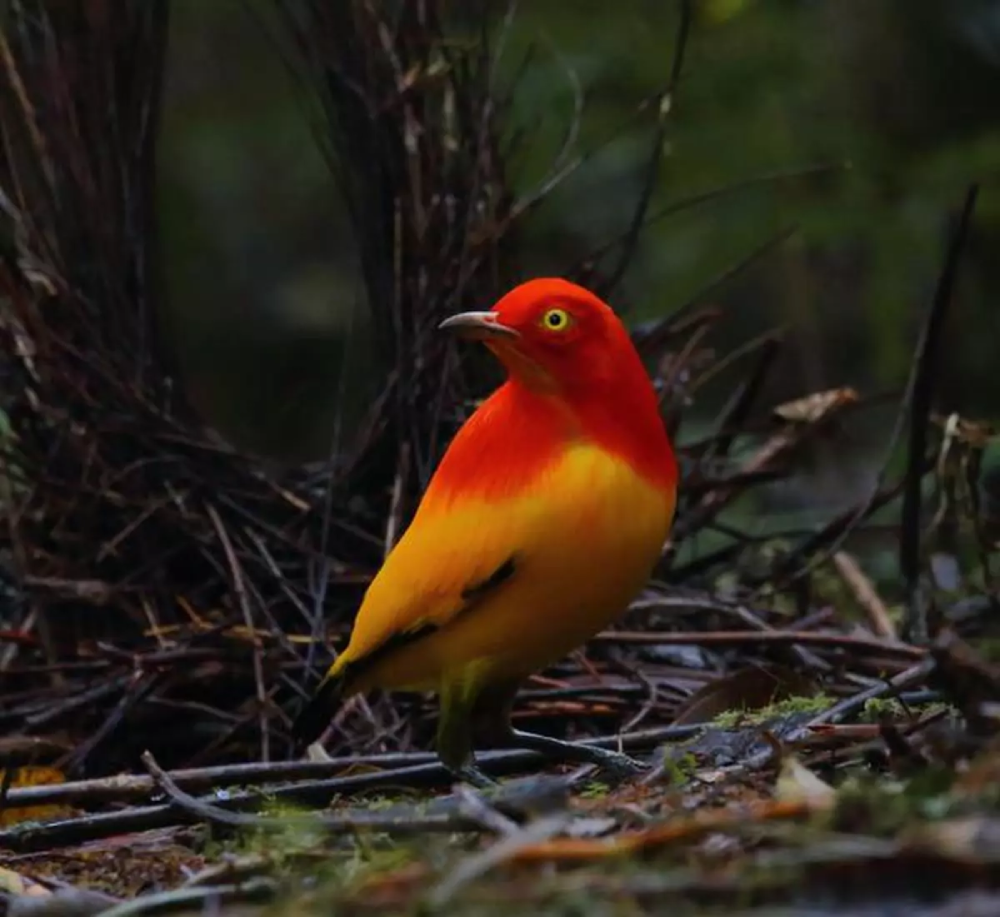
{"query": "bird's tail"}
[(315, 716)]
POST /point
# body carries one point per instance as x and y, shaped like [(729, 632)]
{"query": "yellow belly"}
[(590, 539)]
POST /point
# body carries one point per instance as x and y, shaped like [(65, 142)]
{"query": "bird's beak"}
[(478, 326)]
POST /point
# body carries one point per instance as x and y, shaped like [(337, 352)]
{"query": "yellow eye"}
[(556, 320)]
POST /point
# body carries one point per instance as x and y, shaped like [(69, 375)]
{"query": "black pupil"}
[(555, 319)]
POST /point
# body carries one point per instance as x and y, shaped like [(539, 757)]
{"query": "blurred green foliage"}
[(896, 98)]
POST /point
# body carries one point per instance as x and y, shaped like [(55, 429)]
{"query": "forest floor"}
[(885, 800)]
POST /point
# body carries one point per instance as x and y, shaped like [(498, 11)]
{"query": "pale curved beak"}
[(478, 326)]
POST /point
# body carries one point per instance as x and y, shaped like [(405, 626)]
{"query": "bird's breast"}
[(596, 523), (583, 534), (593, 530)]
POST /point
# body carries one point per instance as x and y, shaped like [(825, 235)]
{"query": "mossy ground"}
[(833, 835)]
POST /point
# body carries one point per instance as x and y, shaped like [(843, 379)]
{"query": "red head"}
[(562, 342), (554, 336)]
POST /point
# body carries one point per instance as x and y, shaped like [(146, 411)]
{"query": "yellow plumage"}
[(582, 541)]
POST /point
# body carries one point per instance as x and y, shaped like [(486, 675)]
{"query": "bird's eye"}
[(556, 320)]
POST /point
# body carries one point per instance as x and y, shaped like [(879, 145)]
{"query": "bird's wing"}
[(443, 566)]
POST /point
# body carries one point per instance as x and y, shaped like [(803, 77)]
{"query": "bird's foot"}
[(614, 764), (469, 773)]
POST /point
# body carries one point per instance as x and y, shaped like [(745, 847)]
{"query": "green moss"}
[(680, 766), (740, 717), (595, 790), (876, 708)]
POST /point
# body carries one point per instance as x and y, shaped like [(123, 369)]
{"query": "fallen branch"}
[(305, 779), (763, 638)]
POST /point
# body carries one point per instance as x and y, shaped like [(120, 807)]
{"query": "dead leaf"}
[(973, 433), (796, 783), (747, 689), (813, 408), (13, 883)]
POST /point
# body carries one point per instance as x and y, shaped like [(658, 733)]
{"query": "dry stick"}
[(201, 810), (139, 686), (777, 637), (691, 603), (415, 769), (705, 483), (781, 443), (206, 898), (744, 614), (763, 424), (690, 201), (664, 106), (665, 328), (482, 151), (917, 464), (9, 65), (507, 848), (868, 598), (186, 809), (29, 837), (922, 392), (668, 382), (737, 411), (319, 570), (474, 806), (810, 553), (394, 523), (239, 587), (81, 698)]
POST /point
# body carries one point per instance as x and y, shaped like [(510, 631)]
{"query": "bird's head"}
[(553, 336), (563, 343)]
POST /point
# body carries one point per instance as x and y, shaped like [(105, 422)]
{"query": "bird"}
[(544, 518)]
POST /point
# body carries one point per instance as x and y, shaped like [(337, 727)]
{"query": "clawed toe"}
[(620, 767), (615, 765)]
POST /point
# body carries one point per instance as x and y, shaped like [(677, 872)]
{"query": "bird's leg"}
[(494, 707), (454, 737)]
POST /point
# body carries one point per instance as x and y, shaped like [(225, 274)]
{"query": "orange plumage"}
[(544, 518)]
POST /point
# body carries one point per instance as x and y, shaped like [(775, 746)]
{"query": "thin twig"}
[(243, 603), (922, 386), (664, 106), (764, 638), (868, 598)]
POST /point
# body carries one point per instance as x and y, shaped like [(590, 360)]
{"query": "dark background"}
[(854, 125)]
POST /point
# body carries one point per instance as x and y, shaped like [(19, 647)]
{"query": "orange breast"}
[(586, 538)]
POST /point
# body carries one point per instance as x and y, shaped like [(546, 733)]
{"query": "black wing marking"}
[(471, 597), (475, 592), (319, 710)]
